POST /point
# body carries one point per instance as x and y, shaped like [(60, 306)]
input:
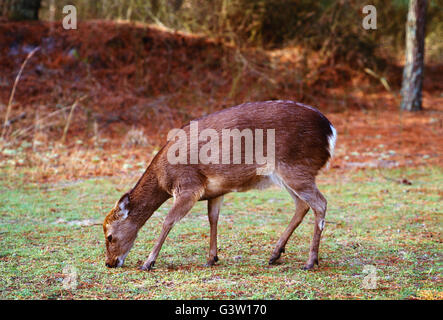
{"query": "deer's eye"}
[(110, 238)]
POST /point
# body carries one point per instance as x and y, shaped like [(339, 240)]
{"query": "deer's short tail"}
[(332, 138)]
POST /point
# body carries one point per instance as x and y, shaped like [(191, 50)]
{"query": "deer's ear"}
[(123, 205)]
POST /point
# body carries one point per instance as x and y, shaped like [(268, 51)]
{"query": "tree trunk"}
[(411, 90), (24, 9)]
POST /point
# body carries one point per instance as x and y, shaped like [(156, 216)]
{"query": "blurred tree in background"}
[(411, 90), (332, 28), (21, 9)]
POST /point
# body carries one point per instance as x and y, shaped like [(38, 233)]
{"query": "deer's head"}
[(120, 232)]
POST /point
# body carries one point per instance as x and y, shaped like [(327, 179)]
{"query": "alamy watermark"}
[(70, 278), (370, 280), (370, 20), (190, 148), (70, 20)]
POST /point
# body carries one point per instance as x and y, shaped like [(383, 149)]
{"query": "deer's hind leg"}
[(300, 211), (303, 185), (318, 204)]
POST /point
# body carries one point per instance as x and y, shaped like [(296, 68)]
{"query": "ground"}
[(130, 84), (52, 246)]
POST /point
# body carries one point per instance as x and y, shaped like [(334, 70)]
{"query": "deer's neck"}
[(146, 197)]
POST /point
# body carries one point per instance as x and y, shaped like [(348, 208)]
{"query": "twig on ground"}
[(68, 122), (92, 224), (399, 181), (21, 132), (15, 119), (11, 98)]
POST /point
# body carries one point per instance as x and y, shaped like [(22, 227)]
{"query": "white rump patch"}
[(331, 145), (331, 140)]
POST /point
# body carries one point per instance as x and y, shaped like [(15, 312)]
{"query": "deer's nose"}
[(115, 264)]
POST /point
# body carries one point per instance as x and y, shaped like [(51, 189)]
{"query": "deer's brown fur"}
[(304, 140)]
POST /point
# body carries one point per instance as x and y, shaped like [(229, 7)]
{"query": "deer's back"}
[(302, 141)]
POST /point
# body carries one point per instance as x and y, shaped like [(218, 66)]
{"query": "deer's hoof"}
[(277, 256), (147, 266), (273, 260), (310, 265), (211, 262)]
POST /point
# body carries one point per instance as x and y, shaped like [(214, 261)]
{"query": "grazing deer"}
[(304, 142)]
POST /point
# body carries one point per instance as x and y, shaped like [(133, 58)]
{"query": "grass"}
[(370, 221)]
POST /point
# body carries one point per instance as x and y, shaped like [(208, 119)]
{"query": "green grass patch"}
[(371, 221)]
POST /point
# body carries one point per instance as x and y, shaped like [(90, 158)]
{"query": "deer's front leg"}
[(214, 206), (182, 204)]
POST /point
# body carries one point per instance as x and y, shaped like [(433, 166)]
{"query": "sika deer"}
[(304, 142)]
